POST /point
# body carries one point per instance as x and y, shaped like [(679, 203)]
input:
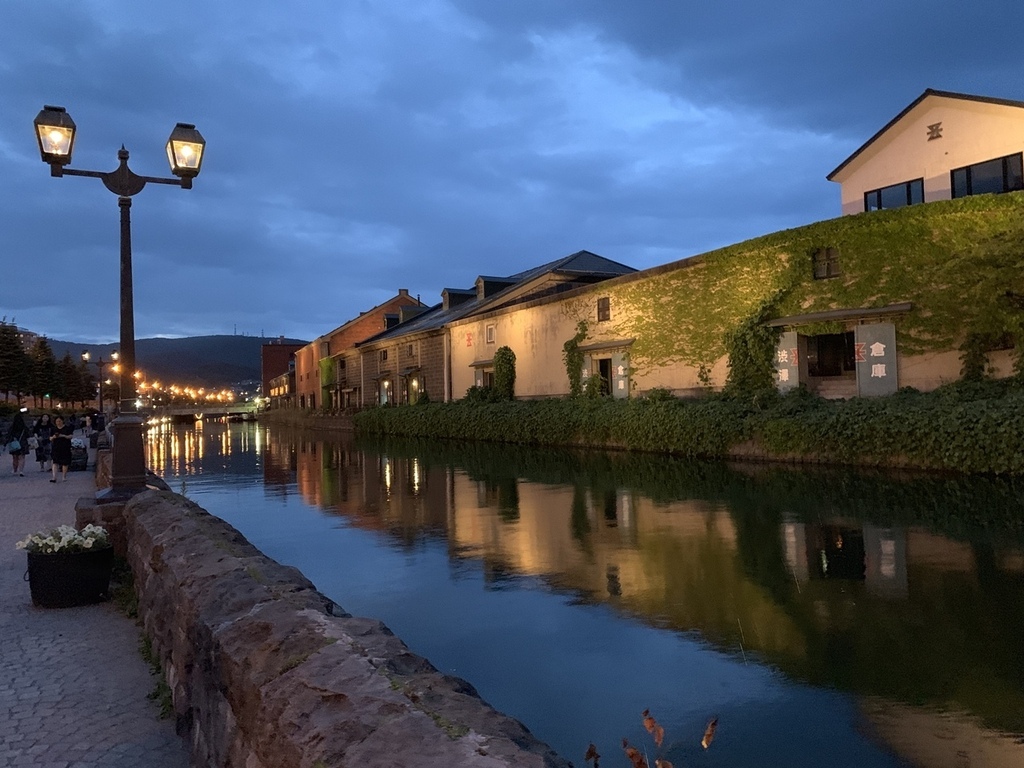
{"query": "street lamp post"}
[(55, 132), (100, 364)]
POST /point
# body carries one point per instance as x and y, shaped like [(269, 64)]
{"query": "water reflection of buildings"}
[(852, 551), (837, 602)]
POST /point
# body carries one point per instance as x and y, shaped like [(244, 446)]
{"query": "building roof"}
[(580, 263), (402, 292), (928, 92)]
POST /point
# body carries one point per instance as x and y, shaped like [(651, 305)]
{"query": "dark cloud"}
[(356, 148)]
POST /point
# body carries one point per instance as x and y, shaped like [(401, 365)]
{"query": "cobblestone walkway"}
[(73, 685)]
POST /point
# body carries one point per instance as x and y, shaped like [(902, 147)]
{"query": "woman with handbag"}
[(17, 442), (43, 430)]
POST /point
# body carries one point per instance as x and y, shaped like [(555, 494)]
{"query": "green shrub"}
[(505, 373), (974, 427), (659, 395)]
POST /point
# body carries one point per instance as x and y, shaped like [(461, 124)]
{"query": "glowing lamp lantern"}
[(185, 152), (55, 131)]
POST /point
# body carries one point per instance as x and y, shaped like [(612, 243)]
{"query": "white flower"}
[(65, 538)]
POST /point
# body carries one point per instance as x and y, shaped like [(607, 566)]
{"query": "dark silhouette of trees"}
[(15, 378)]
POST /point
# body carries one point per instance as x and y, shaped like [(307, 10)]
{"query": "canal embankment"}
[(967, 427), (264, 670)]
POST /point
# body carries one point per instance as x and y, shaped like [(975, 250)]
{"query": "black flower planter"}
[(66, 579)]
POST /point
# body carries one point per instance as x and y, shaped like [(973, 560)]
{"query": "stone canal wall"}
[(266, 672)]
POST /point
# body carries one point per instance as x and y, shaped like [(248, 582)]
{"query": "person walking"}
[(61, 452), (43, 430), (17, 441)]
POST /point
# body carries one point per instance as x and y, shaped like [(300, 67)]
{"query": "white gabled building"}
[(943, 145)]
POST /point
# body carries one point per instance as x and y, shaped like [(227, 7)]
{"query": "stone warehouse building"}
[(862, 305), (321, 380), (401, 364), (904, 292)]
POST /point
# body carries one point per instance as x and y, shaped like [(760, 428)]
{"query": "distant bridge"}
[(198, 412)]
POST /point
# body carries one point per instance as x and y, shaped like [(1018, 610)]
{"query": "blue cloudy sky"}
[(357, 147)]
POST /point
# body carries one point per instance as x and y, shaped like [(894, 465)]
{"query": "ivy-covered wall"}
[(327, 379), (958, 262)]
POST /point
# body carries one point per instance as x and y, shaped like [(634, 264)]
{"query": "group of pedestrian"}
[(51, 441)]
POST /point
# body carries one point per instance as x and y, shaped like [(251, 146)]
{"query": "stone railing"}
[(266, 672)]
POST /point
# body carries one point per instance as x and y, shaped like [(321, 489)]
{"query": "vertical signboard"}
[(787, 362), (875, 359), (620, 375)]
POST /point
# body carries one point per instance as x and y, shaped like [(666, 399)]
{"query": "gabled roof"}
[(413, 302), (579, 263), (928, 92)]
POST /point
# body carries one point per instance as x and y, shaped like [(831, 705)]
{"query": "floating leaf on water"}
[(709, 732), (637, 759), (653, 728)]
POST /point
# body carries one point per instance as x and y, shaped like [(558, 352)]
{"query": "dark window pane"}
[(894, 196), (916, 192), (1014, 173), (826, 263), (960, 182), (986, 177), (871, 200)]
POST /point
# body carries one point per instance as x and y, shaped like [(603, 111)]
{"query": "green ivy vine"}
[(572, 355)]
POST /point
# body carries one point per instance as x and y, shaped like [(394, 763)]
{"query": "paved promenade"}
[(73, 684)]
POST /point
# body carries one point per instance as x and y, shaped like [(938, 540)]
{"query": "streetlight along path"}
[(73, 683)]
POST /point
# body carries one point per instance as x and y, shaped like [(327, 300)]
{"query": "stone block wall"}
[(266, 672)]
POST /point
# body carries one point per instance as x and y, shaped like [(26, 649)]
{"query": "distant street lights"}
[(99, 364), (55, 131)]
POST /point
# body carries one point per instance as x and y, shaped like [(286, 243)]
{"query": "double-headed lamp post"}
[(99, 364), (55, 131)]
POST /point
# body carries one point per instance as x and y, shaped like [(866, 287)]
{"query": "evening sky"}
[(356, 147)]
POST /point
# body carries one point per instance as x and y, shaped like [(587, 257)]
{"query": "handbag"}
[(14, 446), (33, 443)]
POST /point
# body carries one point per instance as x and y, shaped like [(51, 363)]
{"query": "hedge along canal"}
[(810, 609), (972, 427)]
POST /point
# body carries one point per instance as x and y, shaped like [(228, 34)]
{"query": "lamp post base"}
[(128, 465)]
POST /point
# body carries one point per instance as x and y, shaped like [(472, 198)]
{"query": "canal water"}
[(824, 618)]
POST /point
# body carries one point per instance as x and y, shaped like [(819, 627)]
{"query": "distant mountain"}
[(208, 361)]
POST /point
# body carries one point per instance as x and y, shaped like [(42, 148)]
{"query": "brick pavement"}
[(73, 684)]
